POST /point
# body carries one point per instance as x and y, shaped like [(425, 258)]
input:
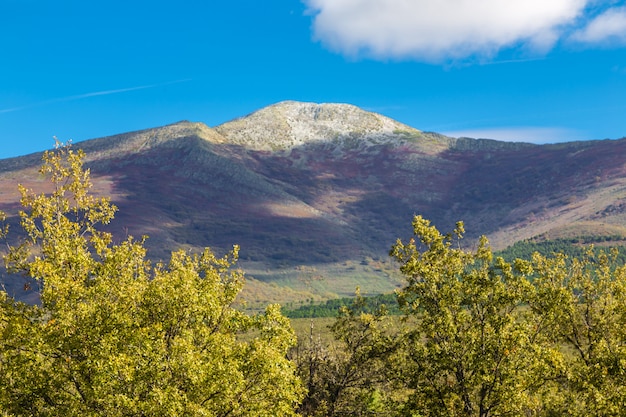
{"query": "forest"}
[(469, 333)]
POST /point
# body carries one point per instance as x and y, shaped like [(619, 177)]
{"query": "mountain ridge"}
[(315, 194)]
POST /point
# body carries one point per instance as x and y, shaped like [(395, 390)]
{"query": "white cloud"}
[(609, 26), (439, 30), (521, 134)]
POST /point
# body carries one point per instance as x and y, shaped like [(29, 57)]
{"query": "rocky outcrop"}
[(290, 124)]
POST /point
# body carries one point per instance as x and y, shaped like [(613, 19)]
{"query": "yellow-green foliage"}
[(543, 336), (117, 336)]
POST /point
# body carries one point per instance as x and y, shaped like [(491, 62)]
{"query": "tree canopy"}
[(116, 335), (542, 336)]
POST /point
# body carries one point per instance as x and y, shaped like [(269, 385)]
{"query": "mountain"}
[(316, 194)]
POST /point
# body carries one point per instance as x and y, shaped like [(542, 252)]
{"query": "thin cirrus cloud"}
[(88, 95), (439, 30), (537, 135)]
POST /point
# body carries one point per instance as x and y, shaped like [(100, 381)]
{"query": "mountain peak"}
[(290, 123)]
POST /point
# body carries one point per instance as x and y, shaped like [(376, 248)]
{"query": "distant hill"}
[(315, 194)]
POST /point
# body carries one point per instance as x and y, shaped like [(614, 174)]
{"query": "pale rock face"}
[(289, 124)]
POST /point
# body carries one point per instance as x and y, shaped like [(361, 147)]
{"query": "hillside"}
[(315, 194)]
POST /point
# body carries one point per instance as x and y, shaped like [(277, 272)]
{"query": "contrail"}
[(93, 94), (512, 61)]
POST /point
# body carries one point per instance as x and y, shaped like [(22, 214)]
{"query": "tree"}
[(475, 349), (116, 335), (350, 377), (583, 302)]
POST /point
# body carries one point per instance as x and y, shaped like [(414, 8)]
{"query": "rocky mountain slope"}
[(315, 194)]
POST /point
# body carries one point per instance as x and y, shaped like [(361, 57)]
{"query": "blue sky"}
[(539, 71)]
